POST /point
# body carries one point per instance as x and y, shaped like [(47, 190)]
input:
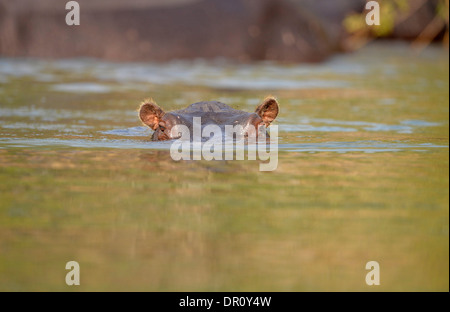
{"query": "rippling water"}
[(362, 175)]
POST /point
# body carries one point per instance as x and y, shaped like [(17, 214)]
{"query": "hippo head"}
[(215, 113)]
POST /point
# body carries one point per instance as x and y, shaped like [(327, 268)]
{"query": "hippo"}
[(210, 112)]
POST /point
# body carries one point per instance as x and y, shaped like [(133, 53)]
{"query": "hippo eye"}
[(162, 128)]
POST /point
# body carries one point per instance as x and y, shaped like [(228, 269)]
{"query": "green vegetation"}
[(393, 13)]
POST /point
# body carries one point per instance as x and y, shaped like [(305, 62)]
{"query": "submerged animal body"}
[(210, 113)]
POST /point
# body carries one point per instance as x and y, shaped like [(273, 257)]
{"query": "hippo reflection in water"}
[(211, 113)]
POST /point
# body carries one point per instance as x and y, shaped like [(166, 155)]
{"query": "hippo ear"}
[(268, 110), (150, 114)]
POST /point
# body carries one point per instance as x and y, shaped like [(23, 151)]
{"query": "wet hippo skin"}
[(212, 112)]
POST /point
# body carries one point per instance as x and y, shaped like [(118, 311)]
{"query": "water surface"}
[(362, 175)]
